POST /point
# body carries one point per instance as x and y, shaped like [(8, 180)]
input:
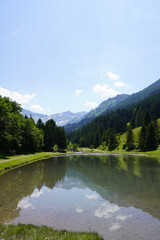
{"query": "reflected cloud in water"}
[(106, 210), (36, 193), (92, 196), (24, 203), (123, 217), (79, 210), (115, 226)]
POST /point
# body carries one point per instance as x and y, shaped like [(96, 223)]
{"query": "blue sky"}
[(59, 55)]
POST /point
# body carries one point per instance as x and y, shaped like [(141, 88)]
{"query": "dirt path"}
[(15, 158)]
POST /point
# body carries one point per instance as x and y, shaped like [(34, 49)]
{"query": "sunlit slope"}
[(136, 132)]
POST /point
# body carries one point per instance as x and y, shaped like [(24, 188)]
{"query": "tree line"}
[(20, 134), (106, 128)]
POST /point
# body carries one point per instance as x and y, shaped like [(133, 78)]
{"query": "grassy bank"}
[(31, 232), (154, 153), (8, 162)]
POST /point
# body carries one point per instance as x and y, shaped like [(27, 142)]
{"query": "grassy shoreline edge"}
[(21, 160), (32, 232), (13, 162)]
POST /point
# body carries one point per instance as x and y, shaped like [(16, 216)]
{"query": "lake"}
[(116, 196)]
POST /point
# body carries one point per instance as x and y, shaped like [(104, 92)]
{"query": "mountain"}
[(108, 127), (118, 102), (141, 95), (105, 106), (61, 119)]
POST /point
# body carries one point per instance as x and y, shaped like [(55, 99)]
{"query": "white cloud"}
[(16, 96), (92, 196), (36, 107), (79, 210), (104, 90), (36, 193), (113, 76), (120, 84), (24, 203), (78, 91), (91, 104), (106, 210), (115, 226)]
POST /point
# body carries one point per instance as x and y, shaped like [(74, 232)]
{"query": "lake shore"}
[(153, 153), (29, 231), (11, 162)]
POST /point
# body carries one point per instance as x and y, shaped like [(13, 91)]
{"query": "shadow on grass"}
[(4, 156)]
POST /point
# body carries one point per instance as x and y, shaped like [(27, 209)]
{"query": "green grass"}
[(11, 162), (31, 232), (122, 138)]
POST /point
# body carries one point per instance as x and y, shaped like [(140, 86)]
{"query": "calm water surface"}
[(116, 196)]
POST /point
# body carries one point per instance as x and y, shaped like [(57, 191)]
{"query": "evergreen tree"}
[(112, 140), (61, 138), (147, 118), (40, 124), (151, 137), (49, 137), (129, 139), (142, 138)]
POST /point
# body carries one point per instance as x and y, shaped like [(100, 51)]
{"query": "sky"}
[(60, 55)]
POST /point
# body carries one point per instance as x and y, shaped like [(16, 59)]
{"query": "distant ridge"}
[(136, 97), (106, 105), (61, 119)]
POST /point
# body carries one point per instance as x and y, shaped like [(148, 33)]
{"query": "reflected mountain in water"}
[(122, 180), (21, 182)]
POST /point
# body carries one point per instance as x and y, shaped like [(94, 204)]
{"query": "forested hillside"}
[(113, 104), (20, 134), (105, 106), (106, 128)]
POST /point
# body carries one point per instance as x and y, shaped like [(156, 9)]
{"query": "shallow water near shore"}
[(116, 196)]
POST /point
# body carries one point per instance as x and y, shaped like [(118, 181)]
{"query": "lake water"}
[(116, 196)]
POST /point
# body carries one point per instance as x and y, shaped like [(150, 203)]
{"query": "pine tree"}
[(61, 138), (112, 140), (142, 137), (147, 118), (151, 137), (49, 137), (129, 139), (40, 124)]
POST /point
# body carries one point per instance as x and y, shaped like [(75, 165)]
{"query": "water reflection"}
[(117, 196), (124, 180), (27, 181)]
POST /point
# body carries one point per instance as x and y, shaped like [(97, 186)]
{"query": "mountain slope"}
[(105, 106), (136, 97), (105, 127), (61, 119), (122, 103)]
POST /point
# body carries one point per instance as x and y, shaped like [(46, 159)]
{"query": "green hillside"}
[(143, 94), (113, 104), (107, 105), (122, 138), (109, 128)]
